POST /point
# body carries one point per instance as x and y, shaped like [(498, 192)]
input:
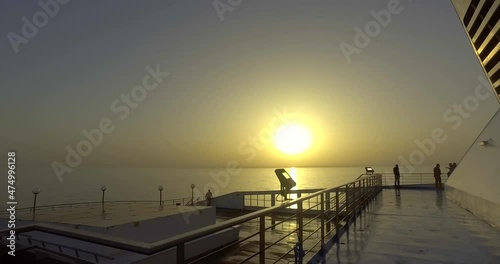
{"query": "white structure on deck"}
[(130, 223), (475, 184)]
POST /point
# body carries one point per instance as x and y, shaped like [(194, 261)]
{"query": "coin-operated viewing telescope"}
[(286, 182)]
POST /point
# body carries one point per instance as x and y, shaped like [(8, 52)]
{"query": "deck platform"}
[(416, 226), (114, 214)]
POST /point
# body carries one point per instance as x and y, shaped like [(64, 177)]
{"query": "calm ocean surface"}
[(83, 184)]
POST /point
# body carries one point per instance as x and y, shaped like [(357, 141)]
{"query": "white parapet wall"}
[(475, 183), (196, 247), (157, 228)]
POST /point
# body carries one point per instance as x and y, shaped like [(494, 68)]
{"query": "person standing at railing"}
[(437, 176), (209, 197), (396, 176)]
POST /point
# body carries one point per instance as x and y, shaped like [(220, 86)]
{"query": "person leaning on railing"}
[(451, 168)]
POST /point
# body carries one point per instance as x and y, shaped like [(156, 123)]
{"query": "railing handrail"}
[(106, 202), (387, 173), (363, 174), (155, 247), (270, 192), (417, 173)]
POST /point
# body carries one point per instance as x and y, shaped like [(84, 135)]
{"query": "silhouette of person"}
[(454, 167), (450, 169), (437, 176), (396, 176), (209, 197)]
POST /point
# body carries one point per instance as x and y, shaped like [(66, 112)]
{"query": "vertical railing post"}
[(364, 192), (327, 201), (379, 188), (373, 186), (337, 212), (180, 253), (355, 199), (262, 240), (322, 201), (347, 200), (367, 189), (273, 203), (300, 223), (328, 208), (368, 193)]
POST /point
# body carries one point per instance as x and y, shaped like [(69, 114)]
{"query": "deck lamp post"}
[(103, 189), (35, 191), (192, 194), (160, 188)]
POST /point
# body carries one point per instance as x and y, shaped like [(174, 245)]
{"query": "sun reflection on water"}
[(293, 174)]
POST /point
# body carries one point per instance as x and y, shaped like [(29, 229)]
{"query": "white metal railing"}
[(409, 179), (176, 201), (261, 199), (416, 178), (327, 216)]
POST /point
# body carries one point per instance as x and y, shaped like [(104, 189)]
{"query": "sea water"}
[(84, 184)]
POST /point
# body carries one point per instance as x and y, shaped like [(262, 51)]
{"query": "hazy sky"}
[(232, 82)]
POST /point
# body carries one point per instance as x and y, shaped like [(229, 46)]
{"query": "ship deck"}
[(418, 226), (413, 225)]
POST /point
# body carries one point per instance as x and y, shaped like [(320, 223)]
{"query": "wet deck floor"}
[(418, 226)]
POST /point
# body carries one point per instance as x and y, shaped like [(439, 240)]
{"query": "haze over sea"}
[(84, 184)]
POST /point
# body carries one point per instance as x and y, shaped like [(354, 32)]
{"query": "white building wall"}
[(475, 183)]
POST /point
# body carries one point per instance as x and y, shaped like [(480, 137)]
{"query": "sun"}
[(292, 139)]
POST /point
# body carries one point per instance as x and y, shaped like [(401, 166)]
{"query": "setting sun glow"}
[(293, 139)]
